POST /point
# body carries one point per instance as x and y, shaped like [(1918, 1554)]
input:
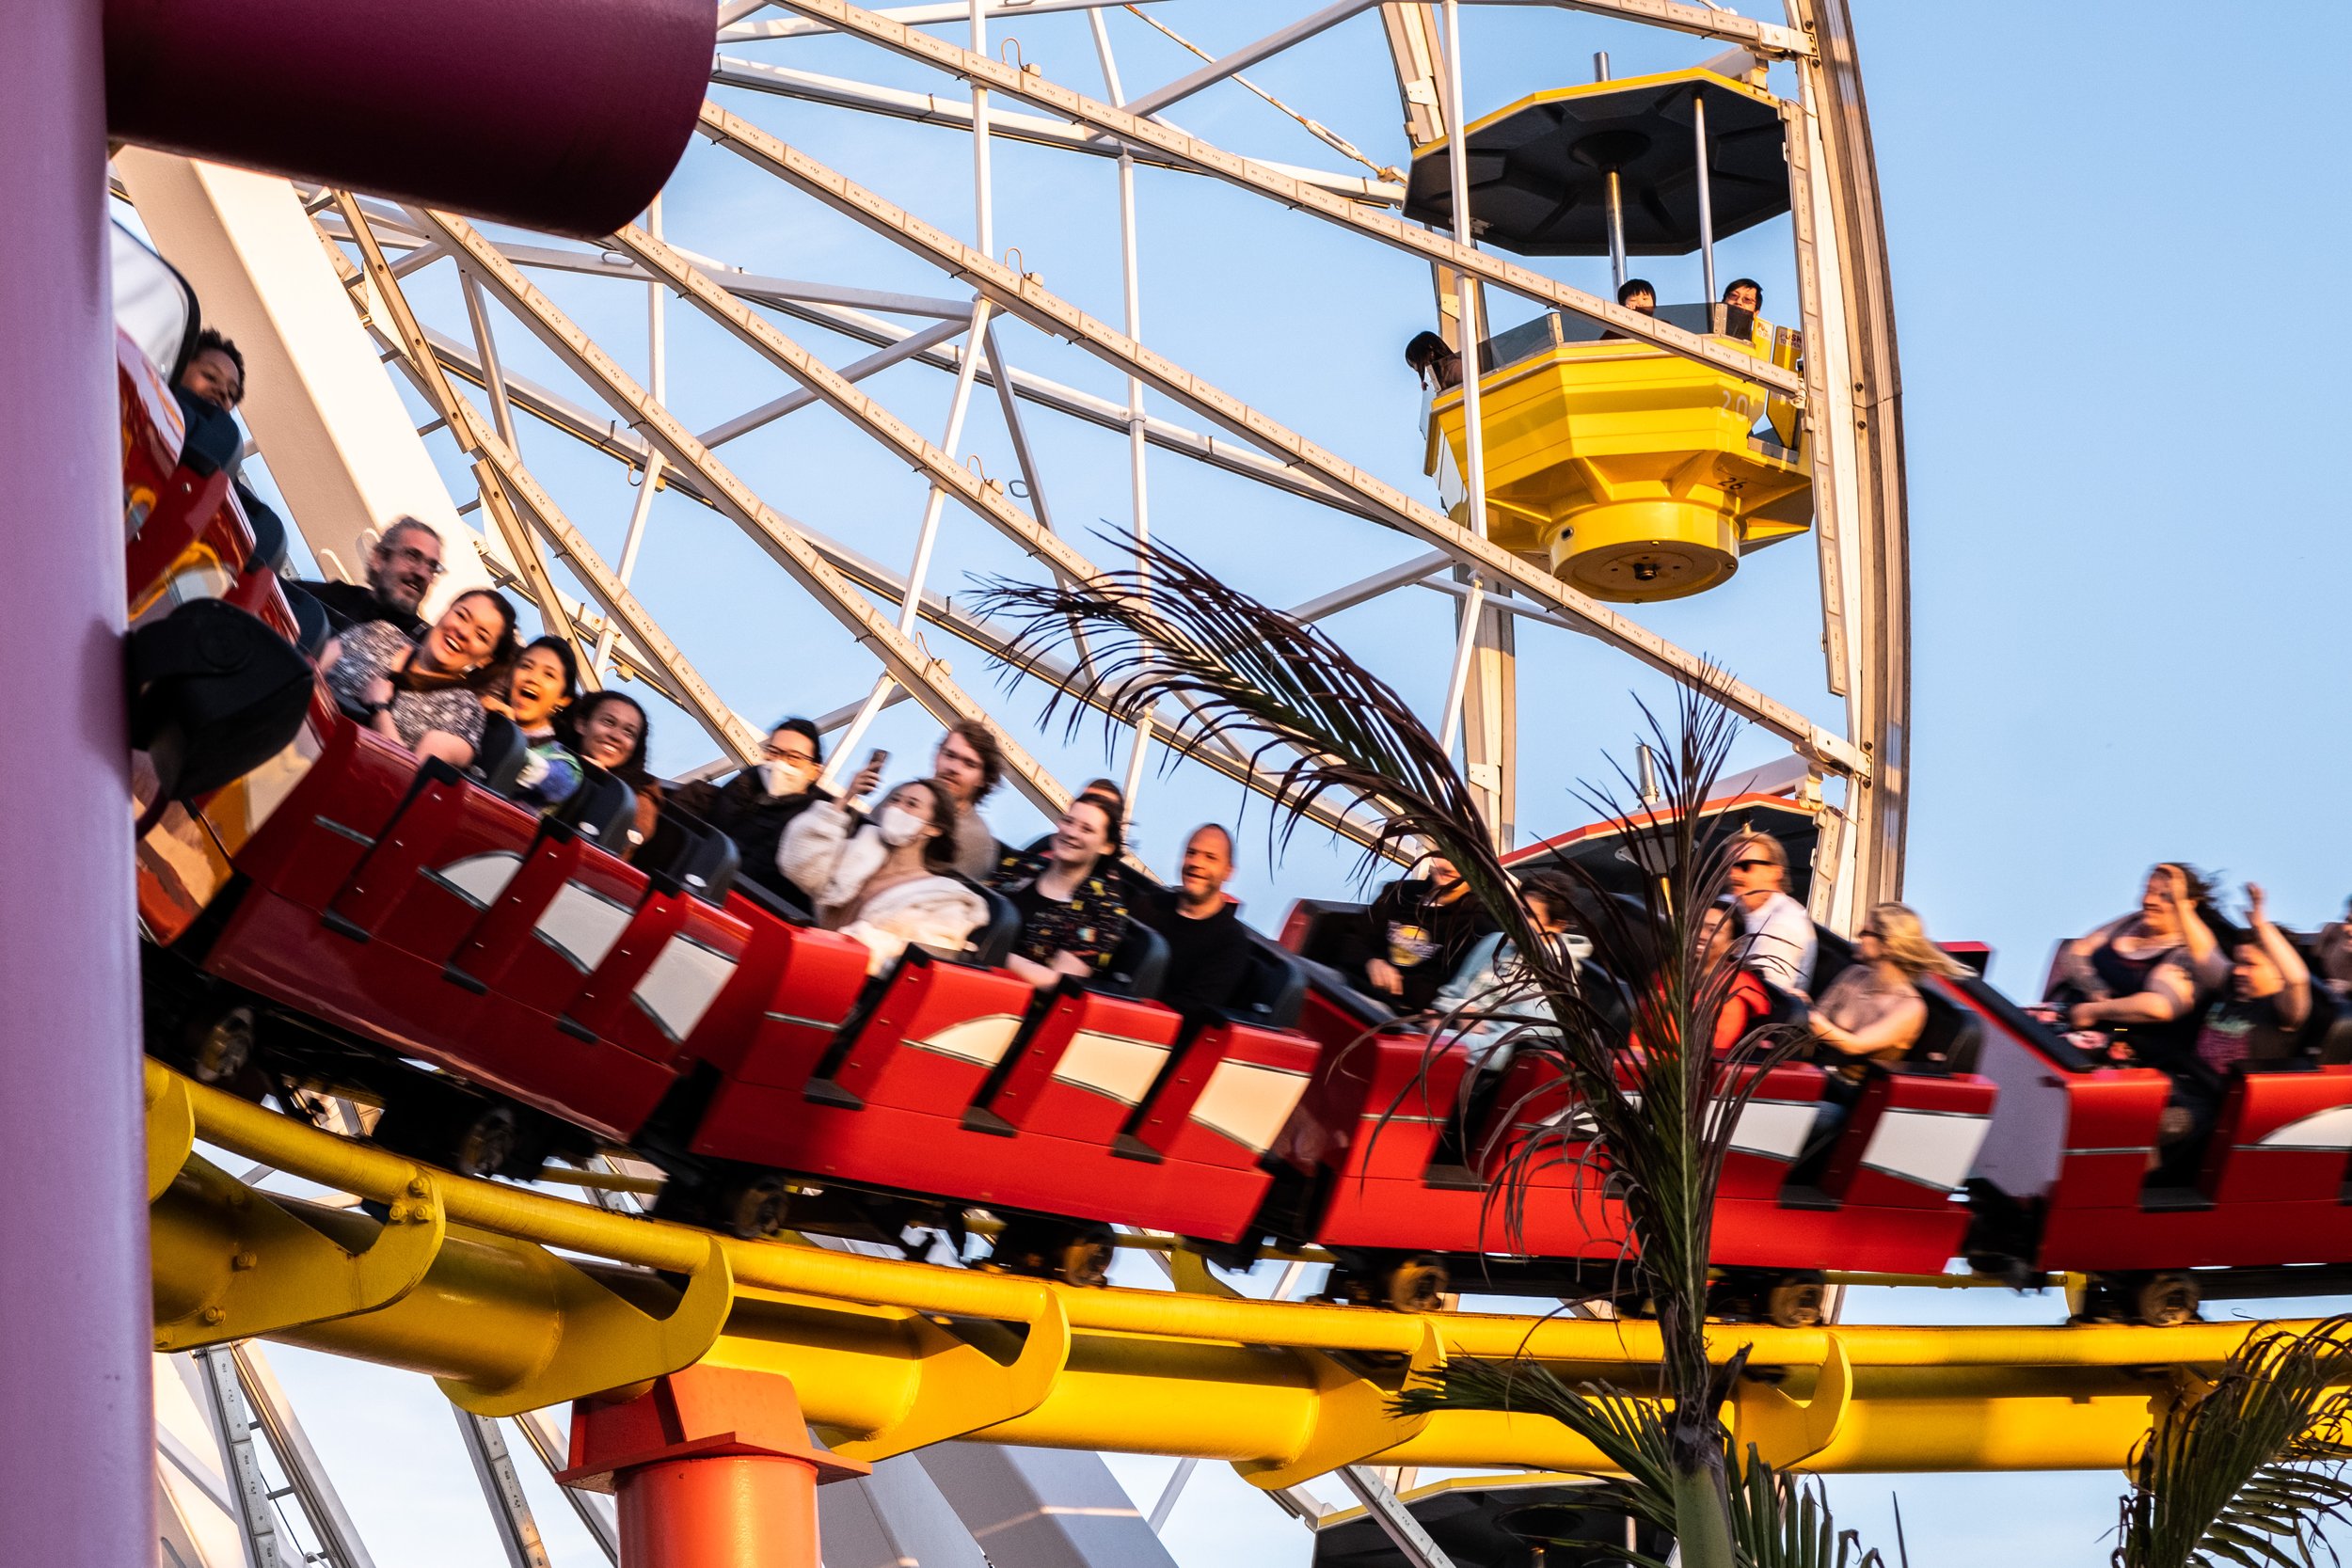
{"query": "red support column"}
[(76, 1419), (714, 1469)]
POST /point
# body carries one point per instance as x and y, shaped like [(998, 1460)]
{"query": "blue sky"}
[(2115, 234)]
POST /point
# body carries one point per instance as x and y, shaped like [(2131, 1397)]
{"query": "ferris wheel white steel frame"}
[(1849, 395), (1848, 390)]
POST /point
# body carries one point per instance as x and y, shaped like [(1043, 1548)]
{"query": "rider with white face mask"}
[(880, 881), (754, 806)]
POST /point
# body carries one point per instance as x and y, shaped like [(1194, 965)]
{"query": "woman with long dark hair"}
[(1072, 916), (2137, 983), (544, 682), (610, 730), (884, 880), (427, 693)]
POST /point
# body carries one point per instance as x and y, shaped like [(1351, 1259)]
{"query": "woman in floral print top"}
[(1073, 914)]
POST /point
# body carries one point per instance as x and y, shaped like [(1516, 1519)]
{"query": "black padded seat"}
[(785, 908), (685, 852), (1951, 1040), (498, 758), (600, 809), (1138, 966), (269, 532), (1273, 990), (991, 943), (1328, 925)]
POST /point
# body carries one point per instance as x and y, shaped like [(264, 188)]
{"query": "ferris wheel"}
[(945, 291)]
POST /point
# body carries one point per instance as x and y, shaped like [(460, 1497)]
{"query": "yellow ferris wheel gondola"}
[(1636, 473)]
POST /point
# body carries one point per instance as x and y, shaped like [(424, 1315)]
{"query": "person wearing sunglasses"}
[(1777, 939), (1872, 1011), (400, 571)]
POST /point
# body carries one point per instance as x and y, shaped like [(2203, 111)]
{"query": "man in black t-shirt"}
[(1413, 937), (401, 569), (1208, 946)]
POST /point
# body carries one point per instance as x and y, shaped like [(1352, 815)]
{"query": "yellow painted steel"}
[(1630, 470), (889, 1355)]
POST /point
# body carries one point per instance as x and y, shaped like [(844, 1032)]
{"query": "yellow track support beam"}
[(890, 1355)]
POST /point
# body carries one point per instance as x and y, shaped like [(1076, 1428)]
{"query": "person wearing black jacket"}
[(1413, 936), (756, 805), (401, 569), (1208, 946)]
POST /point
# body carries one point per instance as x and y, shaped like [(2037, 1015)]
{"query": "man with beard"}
[(1208, 946), (401, 569)]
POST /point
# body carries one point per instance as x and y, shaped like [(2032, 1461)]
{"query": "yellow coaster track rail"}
[(515, 1299)]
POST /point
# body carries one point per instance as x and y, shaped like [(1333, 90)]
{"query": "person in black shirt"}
[(1208, 946), (215, 373), (1413, 936), (1438, 366), (755, 806), (400, 570), (1072, 914)]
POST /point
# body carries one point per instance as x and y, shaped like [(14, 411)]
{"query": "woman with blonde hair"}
[(1872, 1011)]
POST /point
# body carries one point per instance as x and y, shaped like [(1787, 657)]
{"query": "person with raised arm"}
[(884, 880), (2136, 983)]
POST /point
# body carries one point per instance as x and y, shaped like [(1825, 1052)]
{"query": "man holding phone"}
[(754, 806)]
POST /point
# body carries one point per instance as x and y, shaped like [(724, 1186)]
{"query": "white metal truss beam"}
[(811, 303), (1201, 446), (595, 1510), (792, 403), (1037, 130), (1708, 21), (503, 1489), (1250, 175), (509, 486), (274, 1415), (256, 1511), (735, 30), (906, 660), (1243, 58), (984, 499), (1395, 1520), (1024, 295), (1859, 298)]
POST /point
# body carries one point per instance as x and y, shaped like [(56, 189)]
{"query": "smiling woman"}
[(426, 693)]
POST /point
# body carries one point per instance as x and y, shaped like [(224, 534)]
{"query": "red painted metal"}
[(564, 115), (77, 1443), (713, 1468)]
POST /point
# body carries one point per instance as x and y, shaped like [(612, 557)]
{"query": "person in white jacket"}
[(880, 881)]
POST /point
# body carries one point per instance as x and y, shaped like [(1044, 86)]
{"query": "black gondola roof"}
[(1537, 168)]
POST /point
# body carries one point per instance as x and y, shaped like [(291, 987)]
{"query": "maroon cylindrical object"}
[(77, 1422), (564, 115)]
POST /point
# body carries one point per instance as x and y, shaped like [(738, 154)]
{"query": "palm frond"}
[(2250, 1469), (1655, 1113), (1777, 1520)]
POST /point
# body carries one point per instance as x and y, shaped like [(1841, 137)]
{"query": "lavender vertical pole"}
[(77, 1419)]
